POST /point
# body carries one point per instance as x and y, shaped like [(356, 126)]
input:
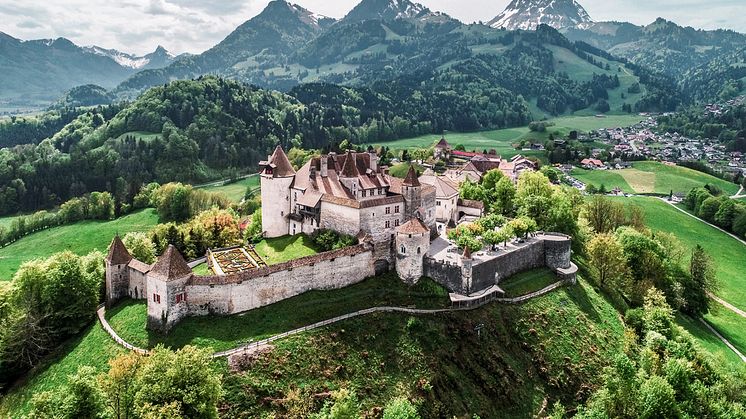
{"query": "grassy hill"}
[(80, 238), (648, 177), (235, 191), (504, 140), (729, 255), (552, 347)]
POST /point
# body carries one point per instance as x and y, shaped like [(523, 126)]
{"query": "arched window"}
[(403, 249), (419, 251)]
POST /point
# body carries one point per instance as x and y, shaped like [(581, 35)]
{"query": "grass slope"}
[(728, 253), (235, 191), (504, 140), (523, 356), (80, 238), (649, 177)]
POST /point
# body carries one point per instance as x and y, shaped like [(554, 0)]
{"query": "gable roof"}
[(171, 265), (118, 254), (443, 143), (411, 179)]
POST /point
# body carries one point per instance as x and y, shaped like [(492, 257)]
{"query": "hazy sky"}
[(138, 26)]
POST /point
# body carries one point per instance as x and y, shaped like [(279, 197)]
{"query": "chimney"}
[(373, 161), (324, 165), (312, 171)]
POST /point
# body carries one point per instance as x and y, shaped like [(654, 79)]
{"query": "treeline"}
[(728, 127), (32, 129), (709, 204)]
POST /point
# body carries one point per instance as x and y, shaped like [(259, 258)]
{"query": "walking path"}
[(739, 194), (463, 306), (724, 340), (743, 242), (727, 305)]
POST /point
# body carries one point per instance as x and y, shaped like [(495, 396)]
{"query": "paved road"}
[(724, 340)]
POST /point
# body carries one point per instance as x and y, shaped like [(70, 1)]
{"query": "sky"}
[(138, 26)]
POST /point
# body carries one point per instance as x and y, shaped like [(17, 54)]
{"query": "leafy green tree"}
[(607, 259), (182, 382), (703, 281), (657, 399), (400, 408), (140, 246), (504, 197), (709, 208)]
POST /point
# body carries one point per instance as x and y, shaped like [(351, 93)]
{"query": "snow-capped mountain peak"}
[(160, 55), (528, 14), (387, 10)]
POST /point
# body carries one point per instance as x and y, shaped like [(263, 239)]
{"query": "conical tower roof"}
[(280, 163), (411, 179), (170, 265), (118, 254)]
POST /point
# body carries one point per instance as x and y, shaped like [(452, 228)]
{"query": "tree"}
[(140, 247), (606, 257), (400, 408), (603, 214), (81, 398), (119, 384), (709, 208), (504, 197), (703, 281), (344, 405), (657, 399), (182, 382)]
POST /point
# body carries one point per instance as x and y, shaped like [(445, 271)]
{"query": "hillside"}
[(524, 358), (39, 71)]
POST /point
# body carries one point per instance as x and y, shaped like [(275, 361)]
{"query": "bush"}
[(326, 240)]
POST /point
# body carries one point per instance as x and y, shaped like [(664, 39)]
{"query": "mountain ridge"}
[(529, 14)]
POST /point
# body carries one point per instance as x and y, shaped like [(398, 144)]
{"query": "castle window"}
[(365, 193), (156, 298), (419, 251), (396, 209), (403, 249), (388, 210), (181, 297), (438, 203), (396, 223), (388, 224)]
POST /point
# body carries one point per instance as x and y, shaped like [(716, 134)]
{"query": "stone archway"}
[(381, 266)]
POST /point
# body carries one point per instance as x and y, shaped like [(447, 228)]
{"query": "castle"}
[(396, 221)]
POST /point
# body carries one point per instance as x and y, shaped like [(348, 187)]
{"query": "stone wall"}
[(340, 218), (446, 274), (137, 284), (491, 272), (117, 282), (260, 287)]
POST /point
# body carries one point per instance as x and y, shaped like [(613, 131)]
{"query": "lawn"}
[(202, 269), (225, 332), (708, 340), (649, 177), (504, 140), (80, 238), (730, 325), (236, 191), (283, 249), (528, 282)]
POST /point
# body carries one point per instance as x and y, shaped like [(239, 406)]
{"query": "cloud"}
[(138, 26)]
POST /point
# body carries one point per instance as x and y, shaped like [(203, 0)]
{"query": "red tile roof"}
[(118, 254), (170, 265)]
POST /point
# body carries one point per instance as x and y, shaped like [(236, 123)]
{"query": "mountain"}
[(387, 10), (702, 62), (263, 41), (156, 59), (529, 14), (40, 71)]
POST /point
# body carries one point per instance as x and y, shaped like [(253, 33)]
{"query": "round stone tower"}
[(412, 243), (277, 176), (412, 192)]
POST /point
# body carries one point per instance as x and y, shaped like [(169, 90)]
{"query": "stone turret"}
[(167, 279), (412, 243), (117, 272), (412, 192), (277, 175)]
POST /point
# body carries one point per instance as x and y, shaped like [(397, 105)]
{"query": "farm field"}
[(649, 177), (80, 238), (236, 191), (503, 140), (728, 253)]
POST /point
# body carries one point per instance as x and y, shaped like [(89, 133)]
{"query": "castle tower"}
[(412, 191), (412, 243), (277, 175), (167, 299), (117, 272)]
